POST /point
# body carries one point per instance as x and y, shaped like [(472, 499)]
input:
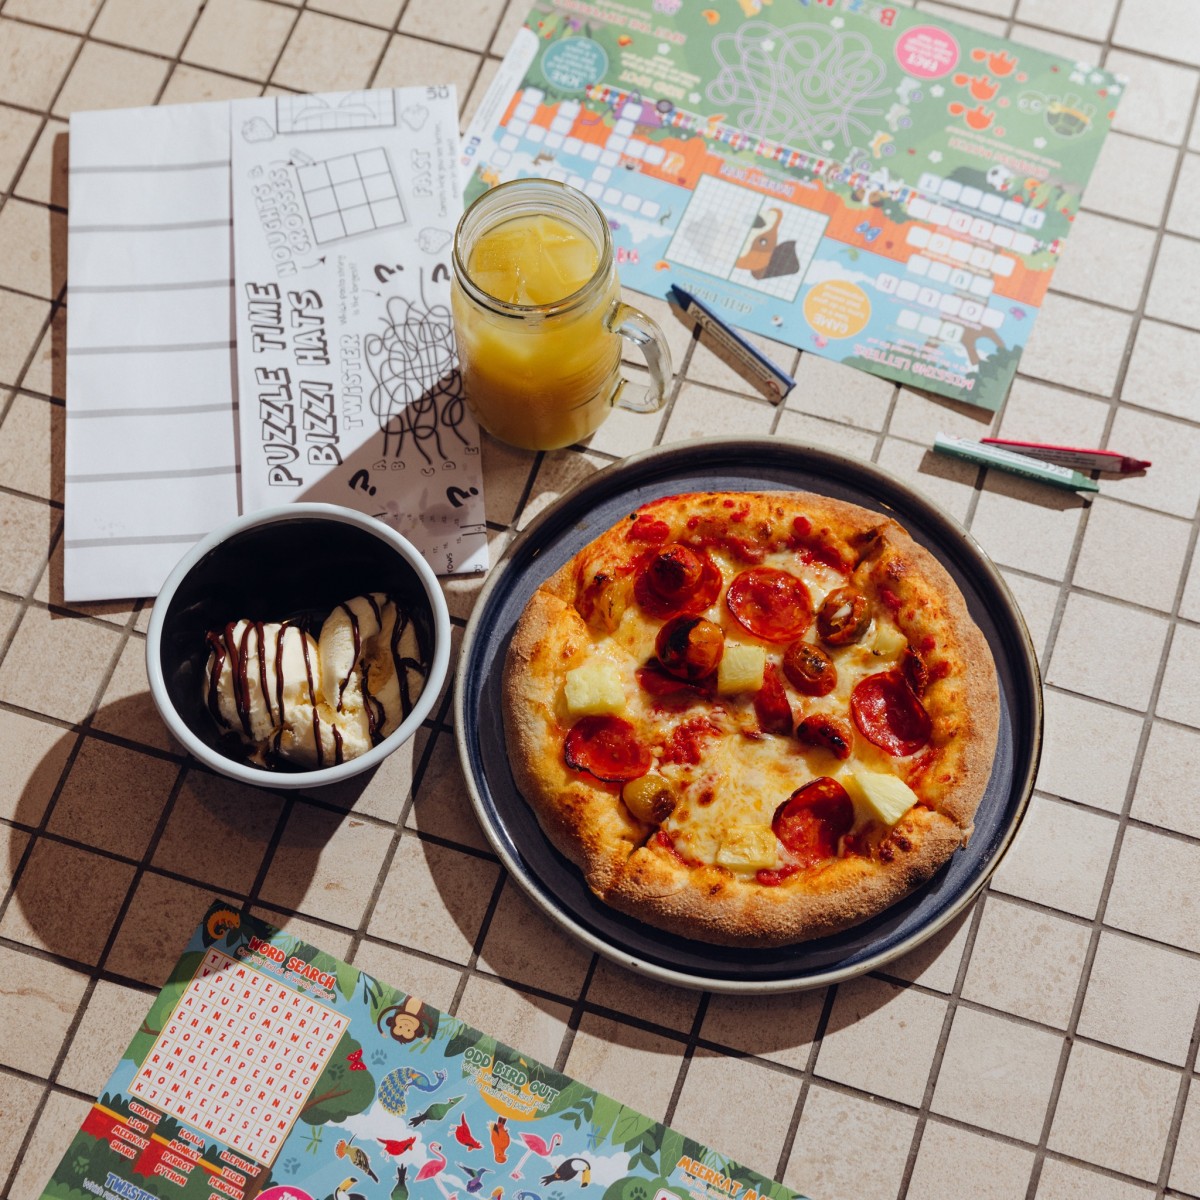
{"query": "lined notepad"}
[(151, 448)]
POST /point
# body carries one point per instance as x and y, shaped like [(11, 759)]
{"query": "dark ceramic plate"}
[(750, 464)]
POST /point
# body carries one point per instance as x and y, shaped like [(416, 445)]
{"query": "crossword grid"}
[(353, 193), (238, 1056), (717, 224), (354, 110)]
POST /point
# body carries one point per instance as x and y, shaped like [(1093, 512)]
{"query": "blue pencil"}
[(774, 379)]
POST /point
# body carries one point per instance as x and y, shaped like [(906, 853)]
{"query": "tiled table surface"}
[(1043, 1046)]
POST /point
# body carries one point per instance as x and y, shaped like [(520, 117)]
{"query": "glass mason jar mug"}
[(539, 319)]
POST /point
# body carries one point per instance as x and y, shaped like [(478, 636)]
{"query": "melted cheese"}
[(742, 775)]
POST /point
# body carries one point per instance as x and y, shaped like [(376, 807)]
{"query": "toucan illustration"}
[(568, 1170)]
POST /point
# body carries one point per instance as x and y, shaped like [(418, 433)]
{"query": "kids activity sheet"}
[(344, 208), (869, 183), (268, 1069)]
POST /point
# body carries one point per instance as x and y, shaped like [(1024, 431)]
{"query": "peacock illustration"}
[(393, 1091)]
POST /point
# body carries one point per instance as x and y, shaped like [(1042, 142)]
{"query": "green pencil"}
[(1017, 464)]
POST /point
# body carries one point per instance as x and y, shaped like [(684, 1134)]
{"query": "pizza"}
[(751, 718)]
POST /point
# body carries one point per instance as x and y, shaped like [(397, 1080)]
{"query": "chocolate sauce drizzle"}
[(225, 646)]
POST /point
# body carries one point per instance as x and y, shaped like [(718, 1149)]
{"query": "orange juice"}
[(538, 316), (538, 384)]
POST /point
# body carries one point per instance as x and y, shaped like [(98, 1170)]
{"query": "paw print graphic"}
[(378, 1057), (291, 1165)]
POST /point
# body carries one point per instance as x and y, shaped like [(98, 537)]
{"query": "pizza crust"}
[(584, 817)]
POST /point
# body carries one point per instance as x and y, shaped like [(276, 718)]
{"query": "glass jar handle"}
[(634, 326)]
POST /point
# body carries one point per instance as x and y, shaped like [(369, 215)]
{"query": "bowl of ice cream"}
[(298, 646)]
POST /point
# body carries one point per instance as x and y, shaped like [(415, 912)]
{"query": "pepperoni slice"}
[(812, 820), (648, 529), (888, 712), (772, 604), (771, 704), (607, 747), (677, 582), (774, 876)]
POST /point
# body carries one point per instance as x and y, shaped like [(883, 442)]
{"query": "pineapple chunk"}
[(593, 689), (751, 848), (883, 797), (888, 640), (741, 669)]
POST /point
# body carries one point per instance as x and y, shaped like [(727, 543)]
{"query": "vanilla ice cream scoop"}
[(315, 702)]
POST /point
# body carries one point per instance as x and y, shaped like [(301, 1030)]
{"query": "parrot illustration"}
[(500, 1139), (435, 1112)]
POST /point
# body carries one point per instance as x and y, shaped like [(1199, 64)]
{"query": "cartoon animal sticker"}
[(763, 255)]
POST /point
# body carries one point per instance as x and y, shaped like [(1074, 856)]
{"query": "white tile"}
[(1131, 179), (778, 1028), (1089, 622), (1059, 857), (948, 482), (1179, 697), (624, 1062), (1185, 1167), (1141, 997), (1081, 18), (1173, 293), (737, 1105), (1157, 100), (1184, 216), (1131, 554), (1171, 483), (1022, 523), (953, 1163), (1105, 260), (1167, 28), (1165, 795), (1161, 374), (847, 1146), (828, 389), (1089, 750), (997, 1073), (1077, 344), (1152, 891), (1114, 1111), (1037, 601), (1026, 962), (1068, 1181), (868, 1019)]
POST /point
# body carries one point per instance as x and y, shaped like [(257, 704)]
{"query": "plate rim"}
[(559, 916)]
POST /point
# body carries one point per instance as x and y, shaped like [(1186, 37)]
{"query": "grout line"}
[(939, 1054)]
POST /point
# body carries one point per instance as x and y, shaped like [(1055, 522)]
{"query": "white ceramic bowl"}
[(267, 566)]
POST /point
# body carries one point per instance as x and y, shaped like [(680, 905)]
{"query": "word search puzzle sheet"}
[(266, 1069), (869, 183)]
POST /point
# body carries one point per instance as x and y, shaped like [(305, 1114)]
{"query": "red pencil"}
[(1072, 456)]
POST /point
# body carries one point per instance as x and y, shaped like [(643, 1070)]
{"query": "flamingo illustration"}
[(538, 1146), (433, 1168)]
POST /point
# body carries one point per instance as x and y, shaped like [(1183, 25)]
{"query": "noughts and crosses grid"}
[(239, 1056)]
